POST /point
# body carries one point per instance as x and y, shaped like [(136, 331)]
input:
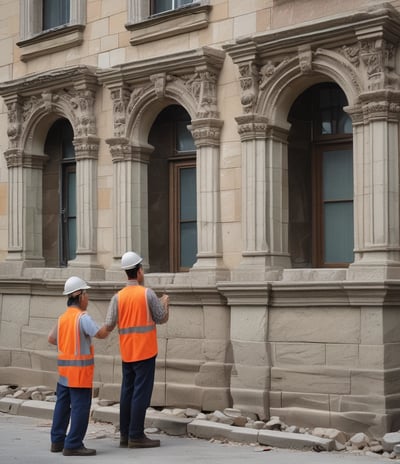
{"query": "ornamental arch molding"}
[(34, 103), (279, 91), (139, 91), (359, 52)]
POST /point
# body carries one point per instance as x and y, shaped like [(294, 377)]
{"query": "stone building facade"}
[(249, 151)]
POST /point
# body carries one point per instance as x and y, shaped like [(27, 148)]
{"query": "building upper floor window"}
[(55, 13), (159, 6), (48, 26), (151, 20)]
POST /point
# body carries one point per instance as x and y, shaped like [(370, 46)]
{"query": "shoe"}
[(57, 447), (123, 442), (79, 451), (143, 442)]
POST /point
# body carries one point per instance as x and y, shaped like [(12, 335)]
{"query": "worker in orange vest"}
[(136, 309), (73, 337)]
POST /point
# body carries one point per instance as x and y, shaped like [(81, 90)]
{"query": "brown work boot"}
[(123, 441), (57, 447), (83, 451), (143, 442)]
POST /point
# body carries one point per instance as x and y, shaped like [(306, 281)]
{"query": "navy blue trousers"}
[(136, 390), (73, 404)]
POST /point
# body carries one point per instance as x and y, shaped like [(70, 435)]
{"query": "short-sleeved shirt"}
[(88, 329)]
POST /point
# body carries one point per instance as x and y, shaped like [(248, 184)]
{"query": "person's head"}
[(75, 288), (131, 264)]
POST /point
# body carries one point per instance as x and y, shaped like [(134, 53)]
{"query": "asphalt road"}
[(26, 440)]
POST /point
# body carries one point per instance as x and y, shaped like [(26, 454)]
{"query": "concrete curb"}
[(178, 426)]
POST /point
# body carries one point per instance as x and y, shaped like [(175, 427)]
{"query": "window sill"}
[(169, 24), (51, 41)]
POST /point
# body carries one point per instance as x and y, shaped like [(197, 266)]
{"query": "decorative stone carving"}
[(14, 122), (202, 85), (249, 78), (352, 53), (86, 147), (252, 126), (378, 57), (122, 150), (120, 97), (305, 59), (159, 81), (82, 102), (206, 132)]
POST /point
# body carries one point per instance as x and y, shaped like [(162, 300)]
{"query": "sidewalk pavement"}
[(177, 426), (27, 440)]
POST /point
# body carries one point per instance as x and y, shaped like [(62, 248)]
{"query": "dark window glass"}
[(159, 6), (55, 13)]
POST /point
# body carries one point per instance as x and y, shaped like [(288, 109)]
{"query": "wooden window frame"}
[(333, 143), (176, 164)]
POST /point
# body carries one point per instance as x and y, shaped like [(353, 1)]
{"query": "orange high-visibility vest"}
[(75, 367), (137, 330)]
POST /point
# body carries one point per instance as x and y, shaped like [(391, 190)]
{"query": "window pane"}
[(338, 232), (188, 244), (337, 172), (71, 239), (188, 210), (184, 139), (55, 13), (179, 3), (162, 5), (188, 216), (71, 194)]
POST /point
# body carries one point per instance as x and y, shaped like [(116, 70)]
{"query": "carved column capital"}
[(252, 126), (206, 132), (86, 147), (122, 150), (18, 158), (380, 105)]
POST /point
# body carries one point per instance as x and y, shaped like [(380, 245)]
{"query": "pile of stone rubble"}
[(388, 446)]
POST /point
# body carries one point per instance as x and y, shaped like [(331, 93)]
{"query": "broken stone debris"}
[(388, 446)]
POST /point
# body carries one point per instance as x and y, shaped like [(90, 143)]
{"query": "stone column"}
[(86, 155), (25, 210), (130, 201), (209, 265), (377, 192), (264, 199)]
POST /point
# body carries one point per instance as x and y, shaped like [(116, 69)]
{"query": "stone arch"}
[(34, 103), (146, 108), (39, 123), (289, 79)]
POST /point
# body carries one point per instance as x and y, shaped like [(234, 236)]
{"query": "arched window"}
[(321, 230), (59, 196), (172, 193)]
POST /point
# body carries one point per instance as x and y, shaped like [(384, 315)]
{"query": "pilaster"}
[(209, 265)]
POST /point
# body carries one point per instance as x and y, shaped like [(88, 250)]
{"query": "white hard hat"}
[(73, 284), (130, 259)]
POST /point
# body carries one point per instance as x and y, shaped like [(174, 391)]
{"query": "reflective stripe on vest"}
[(74, 367), (137, 330)]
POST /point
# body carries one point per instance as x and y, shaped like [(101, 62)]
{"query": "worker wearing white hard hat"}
[(73, 336), (136, 310)]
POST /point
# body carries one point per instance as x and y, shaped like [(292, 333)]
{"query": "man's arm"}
[(159, 307), (103, 332), (52, 337)]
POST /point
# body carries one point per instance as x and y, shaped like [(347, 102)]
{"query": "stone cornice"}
[(181, 63), (80, 77), (382, 20)]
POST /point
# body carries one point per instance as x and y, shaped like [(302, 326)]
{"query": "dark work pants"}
[(136, 390), (72, 404)]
